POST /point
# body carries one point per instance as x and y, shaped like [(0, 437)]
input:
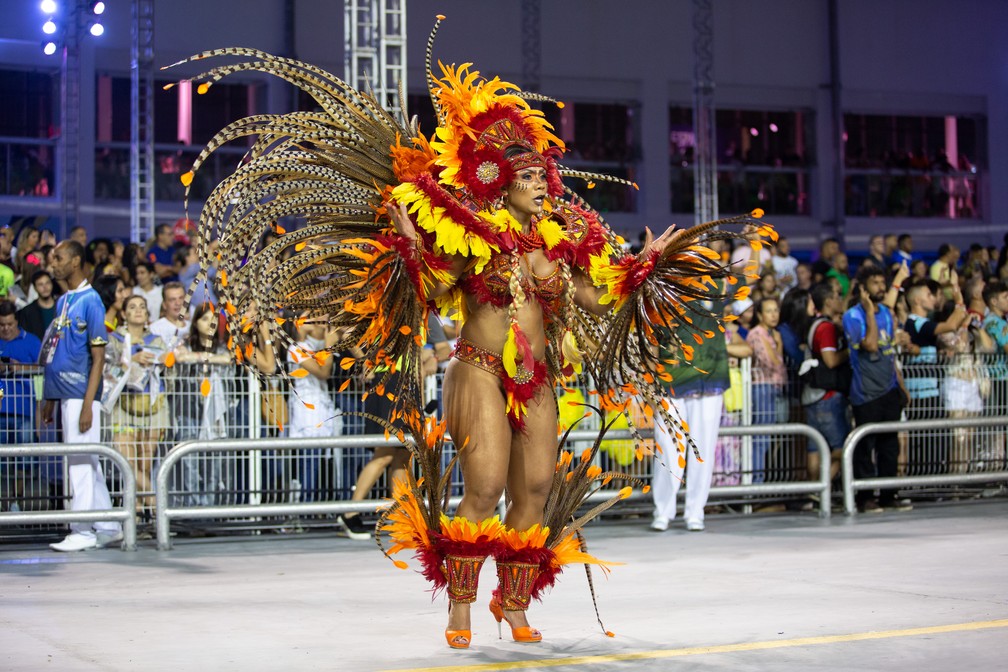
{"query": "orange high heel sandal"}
[(524, 633), (462, 573), (458, 639)]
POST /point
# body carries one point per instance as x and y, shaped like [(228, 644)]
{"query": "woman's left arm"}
[(591, 297)]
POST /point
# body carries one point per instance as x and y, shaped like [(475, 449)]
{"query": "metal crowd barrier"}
[(126, 514), (258, 483), (851, 485), (166, 512), (822, 486)]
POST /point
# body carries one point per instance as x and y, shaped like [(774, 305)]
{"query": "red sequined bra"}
[(492, 285)]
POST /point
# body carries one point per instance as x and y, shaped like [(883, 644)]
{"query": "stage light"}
[(96, 29), (773, 128), (49, 27), (48, 6), (49, 48), (754, 131), (97, 7)]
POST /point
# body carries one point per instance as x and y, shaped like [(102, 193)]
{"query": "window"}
[(207, 114), (764, 160), (600, 138), (30, 100), (28, 132), (912, 166)]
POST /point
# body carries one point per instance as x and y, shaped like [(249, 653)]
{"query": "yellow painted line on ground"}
[(723, 648)]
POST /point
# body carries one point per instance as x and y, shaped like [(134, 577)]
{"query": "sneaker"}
[(106, 539), (660, 524), (75, 541), (353, 527), (898, 505), (694, 525), (871, 506)]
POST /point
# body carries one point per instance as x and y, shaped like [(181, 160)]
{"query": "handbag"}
[(273, 407), (733, 395), (138, 404)]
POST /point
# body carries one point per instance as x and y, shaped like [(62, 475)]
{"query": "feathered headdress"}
[(487, 134)]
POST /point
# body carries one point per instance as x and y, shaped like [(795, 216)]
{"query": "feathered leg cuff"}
[(450, 555), (462, 574), (525, 566)]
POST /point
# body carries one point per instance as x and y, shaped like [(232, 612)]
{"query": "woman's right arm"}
[(738, 348), (404, 226)]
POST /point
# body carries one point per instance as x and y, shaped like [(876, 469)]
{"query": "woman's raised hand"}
[(661, 242), (333, 336), (401, 220)]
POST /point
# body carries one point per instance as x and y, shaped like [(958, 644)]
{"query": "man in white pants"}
[(699, 388), (703, 415), (73, 353)]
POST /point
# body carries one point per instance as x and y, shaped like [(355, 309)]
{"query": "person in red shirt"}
[(826, 409)]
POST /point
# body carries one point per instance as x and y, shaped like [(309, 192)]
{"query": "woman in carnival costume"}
[(473, 221)]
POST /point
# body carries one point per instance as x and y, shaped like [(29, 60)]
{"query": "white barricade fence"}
[(114, 463), (235, 407), (961, 387), (29, 482)]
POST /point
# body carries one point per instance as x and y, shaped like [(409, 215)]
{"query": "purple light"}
[(753, 132), (97, 29), (98, 7), (49, 48), (48, 6), (773, 128), (49, 27)]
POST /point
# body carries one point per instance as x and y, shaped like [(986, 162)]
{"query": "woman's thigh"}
[(476, 416), (534, 451)]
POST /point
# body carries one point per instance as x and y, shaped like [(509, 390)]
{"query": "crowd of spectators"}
[(942, 322), (896, 337), (156, 358)]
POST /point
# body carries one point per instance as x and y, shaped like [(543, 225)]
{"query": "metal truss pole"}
[(290, 45), (836, 105), (69, 143), (705, 165), (142, 122), (374, 48), (531, 42)]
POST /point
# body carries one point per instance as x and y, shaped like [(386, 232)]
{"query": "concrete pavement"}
[(924, 590)]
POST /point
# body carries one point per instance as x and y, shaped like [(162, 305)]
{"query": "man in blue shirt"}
[(876, 386), (904, 251), (17, 395), (74, 355), (162, 253)]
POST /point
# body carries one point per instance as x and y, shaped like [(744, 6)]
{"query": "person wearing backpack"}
[(825, 377)]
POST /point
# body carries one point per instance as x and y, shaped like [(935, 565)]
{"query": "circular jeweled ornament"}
[(487, 172)]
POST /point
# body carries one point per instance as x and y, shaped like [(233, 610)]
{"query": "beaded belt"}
[(481, 358)]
